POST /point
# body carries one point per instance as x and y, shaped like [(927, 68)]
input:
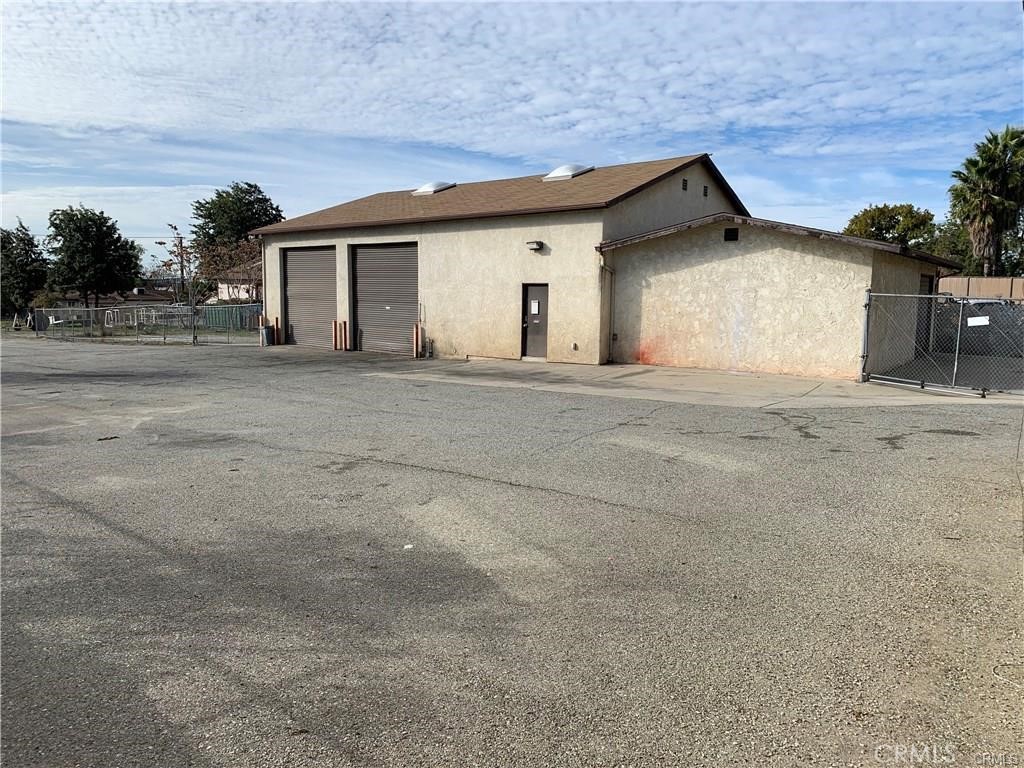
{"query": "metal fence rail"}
[(946, 341), (159, 323)]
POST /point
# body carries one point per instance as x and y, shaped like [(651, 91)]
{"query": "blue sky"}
[(812, 110)]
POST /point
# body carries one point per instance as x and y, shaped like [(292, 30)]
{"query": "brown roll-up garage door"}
[(386, 296), (311, 296)]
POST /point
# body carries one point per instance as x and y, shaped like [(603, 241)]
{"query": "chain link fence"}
[(160, 323), (946, 341)]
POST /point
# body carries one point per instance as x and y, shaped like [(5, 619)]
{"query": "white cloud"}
[(511, 80), (321, 102)]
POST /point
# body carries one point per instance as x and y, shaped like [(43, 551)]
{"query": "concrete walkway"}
[(682, 385)]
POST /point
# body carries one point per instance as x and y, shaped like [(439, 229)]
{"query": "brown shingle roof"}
[(599, 188)]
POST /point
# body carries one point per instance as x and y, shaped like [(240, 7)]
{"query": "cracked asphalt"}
[(246, 557)]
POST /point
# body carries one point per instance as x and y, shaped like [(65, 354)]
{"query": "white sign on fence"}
[(972, 321)]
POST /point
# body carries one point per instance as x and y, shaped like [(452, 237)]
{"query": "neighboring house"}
[(165, 282), (239, 285), (627, 263)]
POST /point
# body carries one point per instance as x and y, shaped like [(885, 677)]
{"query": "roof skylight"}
[(433, 188), (568, 171)]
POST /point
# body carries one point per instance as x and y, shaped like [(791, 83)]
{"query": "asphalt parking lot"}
[(246, 557)]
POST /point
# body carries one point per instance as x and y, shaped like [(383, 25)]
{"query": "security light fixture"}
[(535, 245)]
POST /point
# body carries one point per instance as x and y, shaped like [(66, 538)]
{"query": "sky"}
[(811, 110)]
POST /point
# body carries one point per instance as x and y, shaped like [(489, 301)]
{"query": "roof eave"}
[(729, 192), (931, 258)]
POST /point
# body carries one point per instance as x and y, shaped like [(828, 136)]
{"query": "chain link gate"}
[(945, 341), (159, 323)]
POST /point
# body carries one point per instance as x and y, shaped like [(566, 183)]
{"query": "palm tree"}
[(989, 193)]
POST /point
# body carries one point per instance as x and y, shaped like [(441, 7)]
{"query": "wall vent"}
[(686, 183), (705, 190), (732, 234), (569, 171), (433, 188)]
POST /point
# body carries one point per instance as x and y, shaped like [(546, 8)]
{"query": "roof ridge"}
[(680, 160)]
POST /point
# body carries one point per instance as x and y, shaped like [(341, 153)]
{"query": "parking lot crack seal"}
[(484, 478), (796, 397), (629, 422)]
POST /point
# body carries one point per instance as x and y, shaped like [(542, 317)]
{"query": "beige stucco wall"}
[(771, 302), (471, 275), (894, 321), (665, 203), (898, 274)]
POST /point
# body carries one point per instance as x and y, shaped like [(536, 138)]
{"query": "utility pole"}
[(179, 253)]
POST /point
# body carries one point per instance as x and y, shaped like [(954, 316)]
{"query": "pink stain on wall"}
[(645, 352)]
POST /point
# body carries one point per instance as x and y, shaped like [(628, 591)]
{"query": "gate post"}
[(864, 376), (956, 351)]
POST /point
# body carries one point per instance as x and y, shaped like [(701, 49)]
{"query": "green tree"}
[(90, 254), (951, 241), (229, 216), (903, 224), (1013, 248), (988, 194), (23, 268)]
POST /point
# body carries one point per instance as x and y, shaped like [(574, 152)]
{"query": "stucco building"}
[(656, 262)]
